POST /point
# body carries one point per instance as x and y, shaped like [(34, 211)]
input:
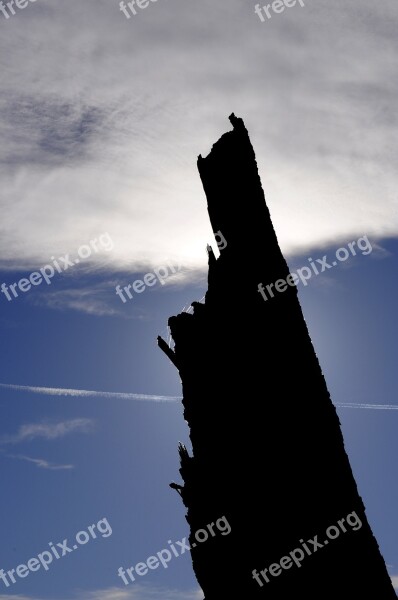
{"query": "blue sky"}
[(102, 119), (122, 452)]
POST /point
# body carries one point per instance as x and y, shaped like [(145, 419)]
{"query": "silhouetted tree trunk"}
[(268, 452)]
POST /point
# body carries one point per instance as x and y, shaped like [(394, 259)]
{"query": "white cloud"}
[(93, 300), (137, 592), (141, 592), (103, 117), (41, 463), (100, 298), (49, 430), (16, 597)]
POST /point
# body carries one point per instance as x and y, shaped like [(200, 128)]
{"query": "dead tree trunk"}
[(268, 452)]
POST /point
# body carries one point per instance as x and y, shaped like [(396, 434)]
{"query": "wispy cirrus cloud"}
[(94, 300), (41, 463), (48, 430), (141, 592), (138, 592)]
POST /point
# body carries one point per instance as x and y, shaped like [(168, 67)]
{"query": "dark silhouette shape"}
[(176, 486), (167, 350), (268, 453)]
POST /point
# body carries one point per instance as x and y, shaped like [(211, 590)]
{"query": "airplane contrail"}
[(367, 406), (88, 393), (153, 398)]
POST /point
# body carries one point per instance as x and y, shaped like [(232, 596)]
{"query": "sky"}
[(102, 120)]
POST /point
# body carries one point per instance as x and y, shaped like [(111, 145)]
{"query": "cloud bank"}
[(102, 119)]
